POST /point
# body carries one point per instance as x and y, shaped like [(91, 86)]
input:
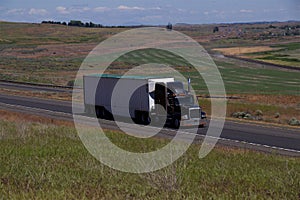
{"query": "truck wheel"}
[(176, 123), (201, 126), (145, 119)]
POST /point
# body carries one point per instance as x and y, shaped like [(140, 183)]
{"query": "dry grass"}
[(243, 50), (50, 50), (23, 118), (278, 100)]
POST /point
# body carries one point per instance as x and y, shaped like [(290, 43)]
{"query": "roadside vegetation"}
[(43, 161), (274, 109)]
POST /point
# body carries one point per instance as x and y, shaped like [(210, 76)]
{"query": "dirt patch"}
[(51, 50), (278, 100)]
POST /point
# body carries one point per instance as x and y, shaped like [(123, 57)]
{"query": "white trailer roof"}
[(150, 78)]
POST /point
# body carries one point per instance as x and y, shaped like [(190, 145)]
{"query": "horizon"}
[(141, 12)]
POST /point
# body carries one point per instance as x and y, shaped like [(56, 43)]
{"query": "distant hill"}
[(251, 23)]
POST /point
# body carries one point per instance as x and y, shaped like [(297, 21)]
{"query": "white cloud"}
[(214, 12), (155, 8), (62, 10), (16, 11), (246, 11), (86, 9), (74, 9), (78, 9), (34, 11), (181, 10), (122, 7), (101, 9)]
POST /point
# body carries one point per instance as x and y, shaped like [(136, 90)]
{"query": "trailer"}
[(153, 99)]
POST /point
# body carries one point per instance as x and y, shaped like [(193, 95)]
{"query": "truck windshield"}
[(185, 100)]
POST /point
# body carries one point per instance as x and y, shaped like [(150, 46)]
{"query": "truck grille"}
[(195, 113)]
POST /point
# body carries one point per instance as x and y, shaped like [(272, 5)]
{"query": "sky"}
[(150, 12)]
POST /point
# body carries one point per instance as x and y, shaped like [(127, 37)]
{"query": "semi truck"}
[(152, 99)]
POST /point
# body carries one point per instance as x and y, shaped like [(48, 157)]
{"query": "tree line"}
[(79, 23)]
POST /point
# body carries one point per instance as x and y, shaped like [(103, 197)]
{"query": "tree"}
[(92, 24), (75, 23)]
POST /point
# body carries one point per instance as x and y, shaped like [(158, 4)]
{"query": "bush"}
[(294, 122), (277, 115), (248, 116), (258, 113), (241, 115)]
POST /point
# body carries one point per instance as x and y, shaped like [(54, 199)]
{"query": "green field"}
[(237, 80), (41, 161)]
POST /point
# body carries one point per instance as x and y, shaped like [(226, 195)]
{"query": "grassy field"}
[(26, 34), (40, 161), (53, 53), (237, 79), (46, 53)]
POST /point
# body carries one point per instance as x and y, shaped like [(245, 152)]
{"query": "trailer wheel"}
[(100, 112)]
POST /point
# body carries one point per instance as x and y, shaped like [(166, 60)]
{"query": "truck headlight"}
[(184, 117)]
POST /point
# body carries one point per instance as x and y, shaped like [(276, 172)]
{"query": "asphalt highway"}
[(31, 87), (273, 137)]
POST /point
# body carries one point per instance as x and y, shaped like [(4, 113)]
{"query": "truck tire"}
[(145, 119), (100, 112), (201, 126)]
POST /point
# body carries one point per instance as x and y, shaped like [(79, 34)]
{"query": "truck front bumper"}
[(193, 122)]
